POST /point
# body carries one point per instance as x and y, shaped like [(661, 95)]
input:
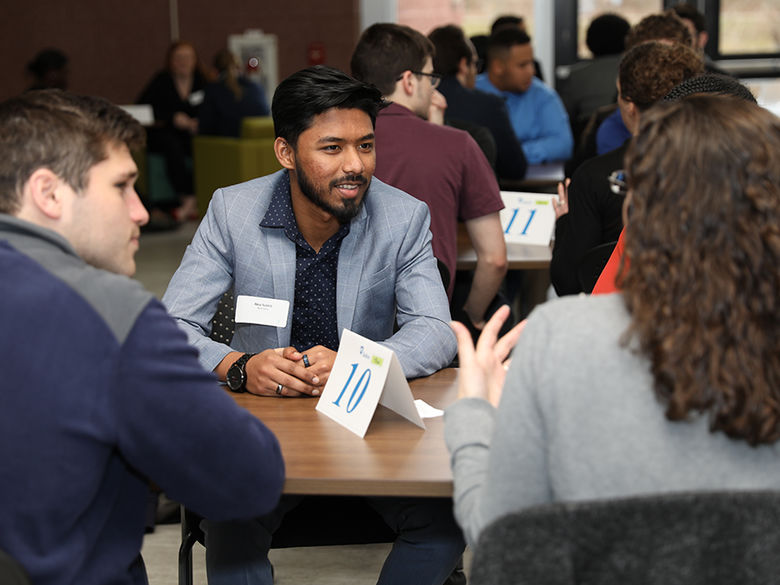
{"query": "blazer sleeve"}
[(424, 342), (204, 275)]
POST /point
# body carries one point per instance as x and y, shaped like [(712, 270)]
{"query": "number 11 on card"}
[(514, 216)]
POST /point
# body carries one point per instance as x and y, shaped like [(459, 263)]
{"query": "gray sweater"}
[(579, 420)]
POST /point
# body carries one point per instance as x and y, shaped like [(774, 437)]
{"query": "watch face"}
[(235, 377)]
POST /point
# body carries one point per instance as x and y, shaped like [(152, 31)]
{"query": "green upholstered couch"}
[(219, 161)]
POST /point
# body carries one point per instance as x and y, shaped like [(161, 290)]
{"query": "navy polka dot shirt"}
[(314, 309)]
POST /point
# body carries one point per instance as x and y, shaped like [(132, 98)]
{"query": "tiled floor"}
[(156, 261)]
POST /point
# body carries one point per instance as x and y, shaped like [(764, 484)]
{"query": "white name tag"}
[(262, 311), (365, 374)]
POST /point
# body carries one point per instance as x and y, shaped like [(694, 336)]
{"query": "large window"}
[(632, 10), (480, 14), (748, 27)]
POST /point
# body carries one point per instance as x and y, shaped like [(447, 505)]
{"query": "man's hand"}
[(270, 373), (483, 369), (437, 108), (317, 359)]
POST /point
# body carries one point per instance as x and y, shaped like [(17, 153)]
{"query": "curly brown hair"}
[(666, 26), (650, 70), (702, 246)]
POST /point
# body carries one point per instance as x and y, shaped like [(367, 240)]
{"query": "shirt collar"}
[(280, 214)]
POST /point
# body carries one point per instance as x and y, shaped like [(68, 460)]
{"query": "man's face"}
[(516, 72), (335, 160), (104, 221)]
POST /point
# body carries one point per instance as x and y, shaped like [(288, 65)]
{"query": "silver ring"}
[(279, 389), (306, 360)]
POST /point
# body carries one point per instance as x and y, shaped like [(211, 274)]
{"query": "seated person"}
[(590, 84), (708, 83), (230, 99), (666, 27), (439, 165), (537, 114), (342, 250), (669, 386), (456, 60), (175, 94), (101, 392), (647, 73)]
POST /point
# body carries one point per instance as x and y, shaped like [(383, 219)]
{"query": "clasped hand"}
[(284, 372)]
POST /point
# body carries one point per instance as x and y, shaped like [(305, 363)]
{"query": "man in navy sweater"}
[(101, 392)]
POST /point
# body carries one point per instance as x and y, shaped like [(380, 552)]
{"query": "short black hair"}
[(503, 40), (451, 46), (506, 21), (313, 91), (607, 35)]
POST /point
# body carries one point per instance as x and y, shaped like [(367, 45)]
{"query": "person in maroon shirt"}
[(439, 165)]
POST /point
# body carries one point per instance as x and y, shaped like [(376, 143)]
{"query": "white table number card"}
[(365, 374), (528, 218)]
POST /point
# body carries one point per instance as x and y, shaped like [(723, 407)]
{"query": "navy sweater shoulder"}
[(101, 394)]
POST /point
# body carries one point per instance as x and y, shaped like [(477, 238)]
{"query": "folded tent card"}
[(527, 218), (365, 374)]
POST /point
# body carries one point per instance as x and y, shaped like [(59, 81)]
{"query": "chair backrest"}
[(11, 572), (592, 265), (712, 538)]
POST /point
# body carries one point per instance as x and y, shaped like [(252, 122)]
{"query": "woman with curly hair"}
[(674, 383)]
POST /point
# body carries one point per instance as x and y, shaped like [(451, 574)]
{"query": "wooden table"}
[(396, 458), (519, 256)]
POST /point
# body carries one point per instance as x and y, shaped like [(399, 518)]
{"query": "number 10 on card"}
[(365, 374), (353, 402)]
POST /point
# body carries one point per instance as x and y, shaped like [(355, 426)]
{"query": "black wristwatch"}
[(236, 374)]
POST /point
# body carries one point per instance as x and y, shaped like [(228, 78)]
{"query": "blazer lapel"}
[(352, 258), (281, 255)]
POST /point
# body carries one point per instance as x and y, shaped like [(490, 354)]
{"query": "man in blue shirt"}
[(535, 110)]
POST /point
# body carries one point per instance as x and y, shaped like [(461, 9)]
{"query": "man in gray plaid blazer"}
[(313, 249)]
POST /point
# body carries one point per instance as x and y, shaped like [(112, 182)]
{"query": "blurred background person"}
[(175, 94), (231, 98), (48, 69), (456, 60), (590, 84), (666, 27)]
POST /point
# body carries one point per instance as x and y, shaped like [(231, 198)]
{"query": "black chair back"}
[(706, 538)]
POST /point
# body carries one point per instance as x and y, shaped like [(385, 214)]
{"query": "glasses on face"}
[(434, 77), (617, 182)]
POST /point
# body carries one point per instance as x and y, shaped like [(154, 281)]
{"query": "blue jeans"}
[(427, 547)]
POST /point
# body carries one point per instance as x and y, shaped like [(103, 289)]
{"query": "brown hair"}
[(702, 245), (650, 70), (659, 27), (385, 50), (63, 132)]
